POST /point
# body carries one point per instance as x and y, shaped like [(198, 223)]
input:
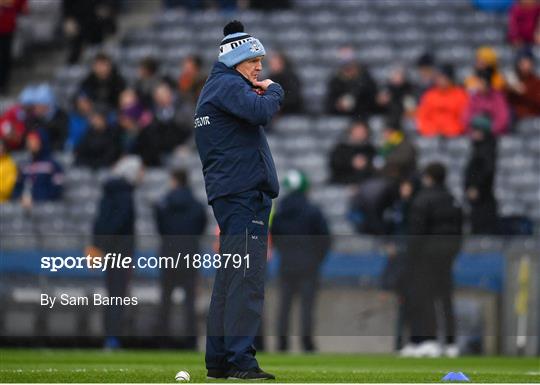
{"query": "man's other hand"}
[(264, 84)]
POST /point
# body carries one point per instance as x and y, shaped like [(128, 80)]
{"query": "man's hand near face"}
[(263, 84)]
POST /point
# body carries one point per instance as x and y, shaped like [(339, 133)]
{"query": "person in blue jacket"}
[(241, 180), (181, 220), (300, 234)]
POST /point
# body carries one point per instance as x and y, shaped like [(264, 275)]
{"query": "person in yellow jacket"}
[(8, 173), (486, 57)]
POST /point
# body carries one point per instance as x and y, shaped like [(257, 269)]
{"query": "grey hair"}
[(128, 167)]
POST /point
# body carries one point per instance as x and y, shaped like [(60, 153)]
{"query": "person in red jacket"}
[(9, 10), (523, 23), (441, 108), (523, 90)]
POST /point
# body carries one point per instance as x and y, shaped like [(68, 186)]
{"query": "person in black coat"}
[(300, 234), (181, 220), (396, 97), (113, 232), (372, 199), (479, 178), (351, 161), (104, 84), (87, 22), (173, 119), (393, 277), (100, 146), (352, 91), (435, 227), (148, 79), (282, 72)]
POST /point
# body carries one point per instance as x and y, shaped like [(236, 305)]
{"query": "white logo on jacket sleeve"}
[(202, 121)]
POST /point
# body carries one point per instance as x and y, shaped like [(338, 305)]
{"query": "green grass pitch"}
[(36, 365)]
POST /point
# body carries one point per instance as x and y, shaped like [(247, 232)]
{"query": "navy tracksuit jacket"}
[(241, 180)]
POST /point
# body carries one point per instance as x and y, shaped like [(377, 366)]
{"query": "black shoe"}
[(308, 345), (252, 374), (283, 344), (215, 374)]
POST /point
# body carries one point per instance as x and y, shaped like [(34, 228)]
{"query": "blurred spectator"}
[(191, 79), (523, 23), (129, 113), (41, 178), (79, 120), (490, 103), (181, 220), (524, 87), (441, 109), (374, 196), (282, 71), (351, 161), (397, 216), (148, 78), (486, 60), (435, 226), (393, 277), (479, 177), (398, 153), (113, 232), (396, 96), (377, 194), (8, 171), (133, 120), (351, 91), (99, 146), (300, 234), (172, 124), (87, 22), (13, 121), (427, 72), (493, 5), (104, 84), (9, 10), (48, 116)]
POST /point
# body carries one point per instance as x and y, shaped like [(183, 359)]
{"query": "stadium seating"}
[(382, 32)]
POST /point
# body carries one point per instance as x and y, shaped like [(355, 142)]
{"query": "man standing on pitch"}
[(241, 180)]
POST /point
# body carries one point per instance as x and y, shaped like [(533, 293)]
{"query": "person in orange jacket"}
[(442, 108)]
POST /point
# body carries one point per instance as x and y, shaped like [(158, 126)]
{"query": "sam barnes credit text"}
[(96, 299)]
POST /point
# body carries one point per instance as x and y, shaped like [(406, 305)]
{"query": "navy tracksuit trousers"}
[(237, 300)]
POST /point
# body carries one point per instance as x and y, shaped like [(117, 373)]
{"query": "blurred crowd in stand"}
[(125, 126)]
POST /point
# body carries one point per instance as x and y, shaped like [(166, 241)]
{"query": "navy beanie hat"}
[(238, 46)]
